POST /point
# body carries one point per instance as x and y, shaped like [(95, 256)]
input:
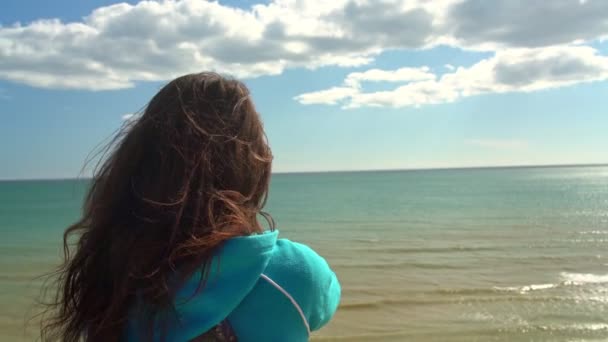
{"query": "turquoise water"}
[(448, 255)]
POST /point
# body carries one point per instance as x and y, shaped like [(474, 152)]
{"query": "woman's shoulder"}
[(297, 255), (307, 277)]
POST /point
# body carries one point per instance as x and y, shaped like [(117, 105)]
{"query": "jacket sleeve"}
[(313, 284)]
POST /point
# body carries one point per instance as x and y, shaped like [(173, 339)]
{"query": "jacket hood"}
[(232, 274)]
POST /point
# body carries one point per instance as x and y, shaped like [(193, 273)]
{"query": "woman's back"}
[(169, 244), (264, 288)]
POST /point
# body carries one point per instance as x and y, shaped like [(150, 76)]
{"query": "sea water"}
[(512, 254)]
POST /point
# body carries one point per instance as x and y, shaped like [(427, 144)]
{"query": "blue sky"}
[(340, 85)]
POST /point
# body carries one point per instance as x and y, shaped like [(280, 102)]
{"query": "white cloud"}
[(329, 96), (400, 75), (499, 144), (353, 83), (512, 70), (116, 46), (523, 23)]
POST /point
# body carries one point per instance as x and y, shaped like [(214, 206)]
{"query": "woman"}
[(170, 248)]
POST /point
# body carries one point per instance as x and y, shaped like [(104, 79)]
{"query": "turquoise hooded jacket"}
[(268, 289)]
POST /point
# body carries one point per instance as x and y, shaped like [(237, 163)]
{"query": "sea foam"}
[(583, 278)]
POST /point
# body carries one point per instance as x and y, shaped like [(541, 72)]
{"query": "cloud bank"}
[(512, 70), (116, 46)]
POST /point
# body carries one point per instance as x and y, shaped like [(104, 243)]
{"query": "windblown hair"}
[(192, 171)]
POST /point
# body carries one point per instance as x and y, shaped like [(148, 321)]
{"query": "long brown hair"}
[(191, 172)]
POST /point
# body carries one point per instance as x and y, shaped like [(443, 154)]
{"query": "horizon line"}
[(439, 168)]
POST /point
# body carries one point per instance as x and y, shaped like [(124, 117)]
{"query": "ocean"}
[(505, 254)]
